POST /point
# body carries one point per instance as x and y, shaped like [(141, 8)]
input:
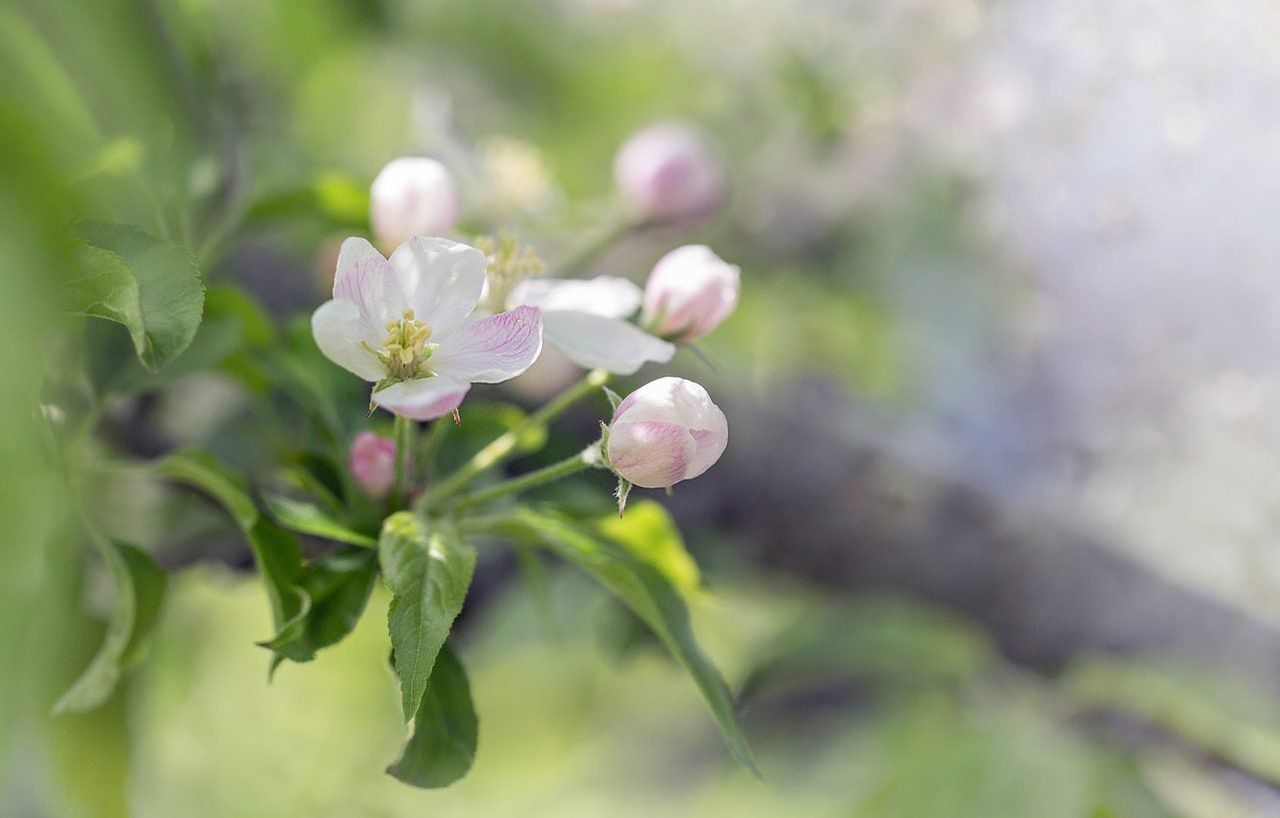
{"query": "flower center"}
[(405, 349), (507, 263)]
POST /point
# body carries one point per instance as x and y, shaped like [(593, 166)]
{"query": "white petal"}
[(604, 295), (341, 332), (492, 349), (367, 279), (441, 280), (593, 341), (422, 398)]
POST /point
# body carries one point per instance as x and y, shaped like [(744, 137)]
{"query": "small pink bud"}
[(669, 172), (412, 196), (373, 463), (690, 291), (666, 431)]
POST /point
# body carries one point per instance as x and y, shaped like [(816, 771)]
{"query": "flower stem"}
[(404, 444), (585, 459), (502, 446)]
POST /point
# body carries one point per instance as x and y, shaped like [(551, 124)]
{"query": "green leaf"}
[(151, 287), (442, 744), (306, 518), (337, 588), (339, 200), (650, 535), (276, 551), (234, 328), (651, 596), (428, 568), (140, 588)]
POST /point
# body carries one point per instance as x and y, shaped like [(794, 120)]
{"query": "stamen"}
[(507, 264), (405, 349)]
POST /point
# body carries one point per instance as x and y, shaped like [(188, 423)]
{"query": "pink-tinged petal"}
[(709, 443), (441, 281), (367, 280), (593, 341), (492, 349), (690, 292), (372, 463), (650, 454), (422, 398), (608, 296), (341, 332), (668, 399), (685, 405)]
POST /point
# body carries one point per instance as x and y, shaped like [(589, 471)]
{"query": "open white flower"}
[(406, 325), (586, 320)]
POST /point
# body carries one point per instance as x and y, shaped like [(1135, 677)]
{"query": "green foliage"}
[(232, 335), (341, 201), (650, 595), (1222, 715), (905, 645), (428, 568), (140, 587), (306, 518), (442, 743), (275, 550), (336, 589), (651, 536), (150, 287)]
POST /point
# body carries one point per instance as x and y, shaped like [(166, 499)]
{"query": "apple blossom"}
[(669, 172), (372, 463), (586, 319), (412, 196), (689, 292), (583, 318), (406, 325), (666, 431)]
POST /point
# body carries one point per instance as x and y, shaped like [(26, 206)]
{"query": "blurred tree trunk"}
[(854, 517)]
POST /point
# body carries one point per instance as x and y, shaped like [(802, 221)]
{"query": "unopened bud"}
[(373, 464), (412, 196), (668, 172), (690, 291), (666, 431)]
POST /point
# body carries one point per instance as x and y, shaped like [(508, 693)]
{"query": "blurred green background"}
[(883, 602)]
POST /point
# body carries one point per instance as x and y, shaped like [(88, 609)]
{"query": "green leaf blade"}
[(306, 518), (151, 287), (442, 744), (276, 551), (337, 588), (650, 595), (649, 534), (428, 568), (140, 589)]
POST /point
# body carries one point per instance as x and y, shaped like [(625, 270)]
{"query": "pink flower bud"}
[(412, 196), (373, 463), (666, 431), (690, 291), (668, 172)]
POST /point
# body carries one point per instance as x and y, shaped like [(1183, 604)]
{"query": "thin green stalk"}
[(404, 444), (585, 459), (430, 447), (502, 446)]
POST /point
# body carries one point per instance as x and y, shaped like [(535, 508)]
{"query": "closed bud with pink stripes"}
[(664, 432)]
